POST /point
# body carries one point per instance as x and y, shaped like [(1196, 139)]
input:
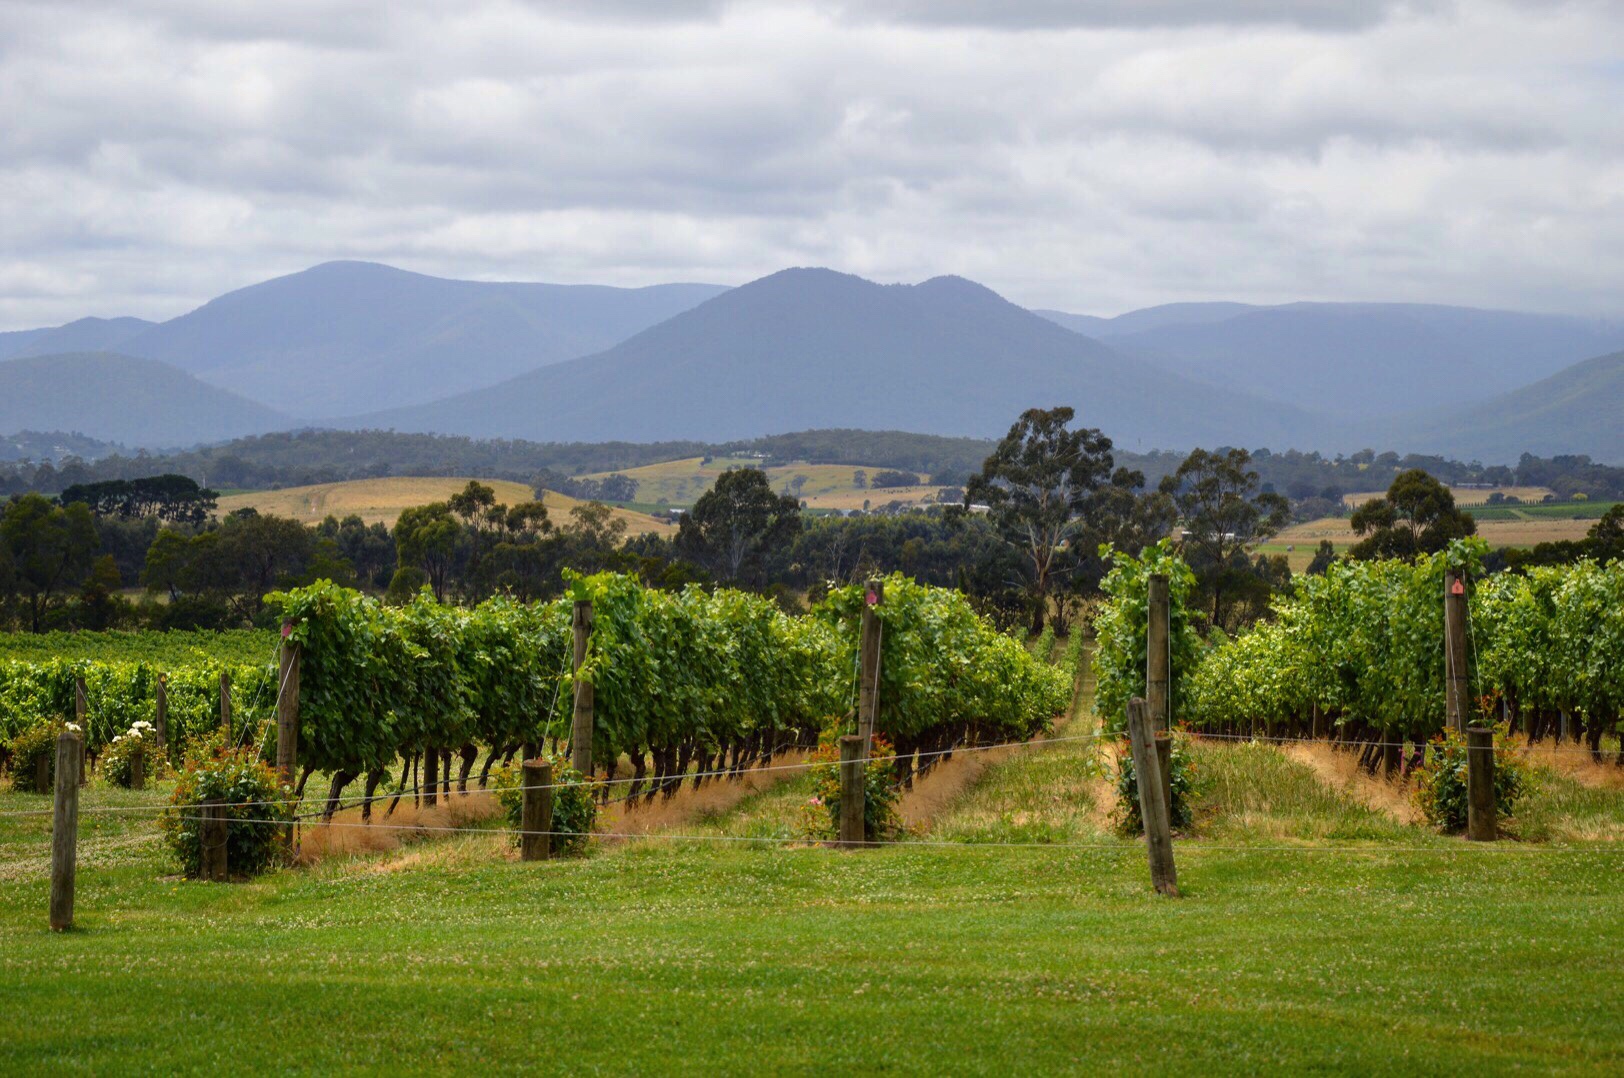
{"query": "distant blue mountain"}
[(140, 402), (1354, 361), (84, 335), (345, 337), (812, 348)]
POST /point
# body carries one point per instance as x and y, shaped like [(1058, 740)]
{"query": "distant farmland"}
[(1304, 539), (381, 501), (825, 486)]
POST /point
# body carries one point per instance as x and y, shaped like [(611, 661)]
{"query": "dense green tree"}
[(1416, 516), (231, 566), (49, 549), (737, 524), (1041, 485), (1323, 557), (426, 539), (1223, 511), (369, 548)]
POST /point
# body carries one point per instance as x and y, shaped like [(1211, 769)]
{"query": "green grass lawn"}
[(1368, 945)]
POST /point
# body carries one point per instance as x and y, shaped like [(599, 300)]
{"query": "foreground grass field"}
[(1318, 931)]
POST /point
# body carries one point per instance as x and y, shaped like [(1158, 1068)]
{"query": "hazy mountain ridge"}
[(344, 337), (80, 335), (118, 398), (1580, 409), (1356, 361), (807, 348), (812, 349)]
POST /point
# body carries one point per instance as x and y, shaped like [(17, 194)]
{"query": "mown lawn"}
[(687, 957)]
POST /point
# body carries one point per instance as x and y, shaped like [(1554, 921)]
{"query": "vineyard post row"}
[(537, 803)]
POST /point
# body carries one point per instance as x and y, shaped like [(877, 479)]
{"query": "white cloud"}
[(1091, 156)]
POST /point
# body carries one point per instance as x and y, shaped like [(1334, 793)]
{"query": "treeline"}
[(1315, 481)]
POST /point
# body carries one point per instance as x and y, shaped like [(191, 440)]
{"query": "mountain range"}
[(354, 345), (805, 348)]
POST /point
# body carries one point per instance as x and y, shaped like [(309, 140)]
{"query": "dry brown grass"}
[(348, 837), (1566, 760), (1498, 533), (689, 804), (945, 782), (1463, 495), (1341, 772), (381, 501)]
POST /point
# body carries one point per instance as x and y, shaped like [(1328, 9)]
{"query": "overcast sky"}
[(1090, 155)]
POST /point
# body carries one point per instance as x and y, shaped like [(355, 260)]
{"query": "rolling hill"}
[(1580, 409), (1354, 361), (807, 348), (345, 337), (381, 501), (119, 398)]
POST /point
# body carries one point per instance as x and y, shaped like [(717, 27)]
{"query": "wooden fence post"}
[(1164, 762), (81, 719), (536, 811), (1157, 662), (138, 768), (70, 755), (42, 774), (581, 720), (1455, 648), (869, 658), (287, 706), (160, 715), (212, 838), (1481, 823), (852, 767), (225, 708), (1152, 809)]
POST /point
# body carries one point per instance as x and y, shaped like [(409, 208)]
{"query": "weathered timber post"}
[(851, 791), (160, 714), (1164, 762), (1455, 648), (1481, 824), (581, 720), (42, 774), (138, 768), (287, 706), (225, 708), (1157, 661), (81, 719), (212, 839), (70, 755), (1152, 809), (536, 811), (868, 663)]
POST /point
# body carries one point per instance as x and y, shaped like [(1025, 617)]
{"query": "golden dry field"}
[(1463, 495), (381, 501), (1305, 538), (827, 486)]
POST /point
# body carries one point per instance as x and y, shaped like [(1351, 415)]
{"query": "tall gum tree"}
[(1039, 485)]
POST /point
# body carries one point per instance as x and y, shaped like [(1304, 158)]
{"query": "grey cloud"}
[(158, 156)]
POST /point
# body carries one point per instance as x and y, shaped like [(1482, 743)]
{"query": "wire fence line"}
[(666, 781), (803, 842), (800, 765)]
